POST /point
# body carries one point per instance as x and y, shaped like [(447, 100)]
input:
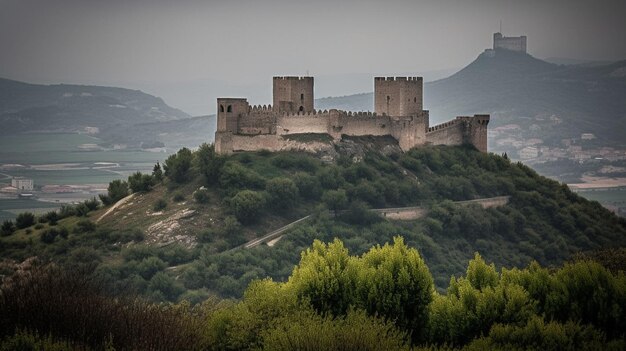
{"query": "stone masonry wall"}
[(449, 133), (303, 123)]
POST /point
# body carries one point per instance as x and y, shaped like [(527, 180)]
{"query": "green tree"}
[(335, 199), (209, 163), (157, 172), (326, 277), (177, 166), (282, 192), (308, 186), (140, 183), (395, 283), (117, 190), (247, 205)]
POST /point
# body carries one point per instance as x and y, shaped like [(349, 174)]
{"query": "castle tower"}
[(399, 96), (293, 94), (228, 112), (509, 43)]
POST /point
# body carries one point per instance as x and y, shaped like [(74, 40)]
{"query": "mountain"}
[(512, 86), (113, 114)]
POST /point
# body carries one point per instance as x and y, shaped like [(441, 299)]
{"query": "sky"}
[(190, 50)]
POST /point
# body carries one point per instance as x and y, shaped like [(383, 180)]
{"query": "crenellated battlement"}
[(398, 113), (445, 124), (398, 79), (292, 78), (260, 108)]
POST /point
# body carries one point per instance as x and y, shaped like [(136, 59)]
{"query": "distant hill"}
[(511, 85), (120, 115)]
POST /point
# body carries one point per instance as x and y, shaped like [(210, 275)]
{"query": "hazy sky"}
[(141, 41)]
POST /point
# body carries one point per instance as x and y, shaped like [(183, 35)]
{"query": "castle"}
[(398, 113), (510, 43)]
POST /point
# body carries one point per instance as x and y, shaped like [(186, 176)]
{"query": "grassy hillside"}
[(177, 237)]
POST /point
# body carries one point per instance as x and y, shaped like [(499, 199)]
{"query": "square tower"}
[(293, 94), (399, 96), (228, 112)]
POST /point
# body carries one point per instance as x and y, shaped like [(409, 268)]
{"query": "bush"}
[(24, 220), (85, 226), (161, 204), (201, 196), (282, 193), (247, 205), (39, 226), (7, 228), (209, 163), (360, 214), (50, 235), (178, 197), (140, 183), (235, 177), (177, 166), (117, 190), (51, 217), (157, 173), (308, 186), (335, 199)]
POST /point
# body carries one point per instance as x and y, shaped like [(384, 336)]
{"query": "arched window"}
[(414, 99), (388, 98), (230, 108), (301, 96), (301, 109), (221, 108)]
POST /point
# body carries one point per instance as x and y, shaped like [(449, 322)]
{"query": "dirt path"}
[(117, 204)]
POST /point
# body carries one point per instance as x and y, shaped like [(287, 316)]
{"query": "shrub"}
[(7, 228), (209, 163), (140, 182), (359, 213), (85, 226), (308, 186), (282, 193), (117, 190), (24, 220), (49, 236), (247, 205), (179, 197), (51, 217), (177, 166), (335, 199), (201, 196), (157, 173), (161, 204), (39, 226)]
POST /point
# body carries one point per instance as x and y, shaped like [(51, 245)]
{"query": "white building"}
[(22, 184)]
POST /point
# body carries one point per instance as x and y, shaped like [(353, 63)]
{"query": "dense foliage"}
[(382, 299), (240, 196)]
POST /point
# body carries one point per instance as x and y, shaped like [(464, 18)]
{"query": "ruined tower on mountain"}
[(398, 112)]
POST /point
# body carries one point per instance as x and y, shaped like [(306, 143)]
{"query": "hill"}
[(116, 115), (514, 86), (190, 225)]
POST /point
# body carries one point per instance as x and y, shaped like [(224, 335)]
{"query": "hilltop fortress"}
[(292, 123)]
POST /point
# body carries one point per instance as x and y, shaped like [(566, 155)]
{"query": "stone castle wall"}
[(313, 122), (509, 43), (399, 114)]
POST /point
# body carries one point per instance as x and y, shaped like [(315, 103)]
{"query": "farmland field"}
[(9, 208), (63, 159)]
